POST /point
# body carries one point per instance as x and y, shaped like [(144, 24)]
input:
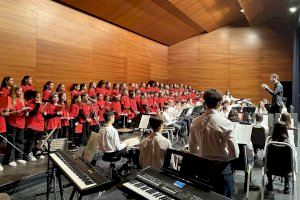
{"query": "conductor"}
[(277, 93)]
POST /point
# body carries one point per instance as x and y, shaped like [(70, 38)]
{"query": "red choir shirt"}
[(125, 101), (86, 109), (144, 103), (95, 109), (46, 95), (142, 89), (2, 124), (27, 88), (73, 92), (138, 99), (35, 122), (156, 89), (101, 106), (65, 114), (91, 92), (133, 104), (115, 93), (74, 110), (101, 90), (162, 101), (108, 105), (53, 122), (149, 89), (109, 92), (116, 105), (4, 92), (18, 119)]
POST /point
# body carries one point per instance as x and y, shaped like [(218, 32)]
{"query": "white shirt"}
[(109, 140), (167, 118), (211, 137), (153, 150)]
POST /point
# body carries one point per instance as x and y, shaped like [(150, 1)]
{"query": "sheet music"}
[(91, 147), (242, 133), (144, 122), (265, 121), (291, 136), (189, 112)]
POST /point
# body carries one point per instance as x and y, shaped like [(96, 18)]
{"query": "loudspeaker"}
[(287, 92)]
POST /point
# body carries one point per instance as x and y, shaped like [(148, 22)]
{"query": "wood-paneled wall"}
[(50, 41), (238, 57)]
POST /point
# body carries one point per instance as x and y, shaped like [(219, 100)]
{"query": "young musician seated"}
[(258, 122), (109, 137), (154, 147)]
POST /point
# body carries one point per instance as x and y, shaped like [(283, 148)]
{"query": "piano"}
[(190, 179), (83, 177), (153, 185)]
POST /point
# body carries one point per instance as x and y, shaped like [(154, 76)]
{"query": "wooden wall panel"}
[(236, 57), (50, 41)]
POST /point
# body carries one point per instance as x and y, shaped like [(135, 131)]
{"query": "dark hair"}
[(74, 86), (51, 95), (5, 81), (25, 78), (155, 122), (286, 118), (47, 85), (30, 94), (60, 98), (131, 93), (91, 84), (100, 83), (258, 117), (58, 87), (82, 85), (280, 132), (75, 96), (107, 116), (234, 116), (212, 97)]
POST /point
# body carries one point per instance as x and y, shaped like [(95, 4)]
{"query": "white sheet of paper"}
[(291, 136), (144, 122), (242, 133), (265, 121), (189, 112)]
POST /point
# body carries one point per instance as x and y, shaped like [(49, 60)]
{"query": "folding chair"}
[(241, 163), (279, 161)]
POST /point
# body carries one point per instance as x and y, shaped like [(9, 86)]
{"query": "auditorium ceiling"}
[(172, 21)]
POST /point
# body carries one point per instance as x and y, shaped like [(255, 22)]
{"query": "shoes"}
[(253, 187), (12, 164), (1, 168), (42, 157), (23, 162), (31, 157), (287, 190), (269, 187)]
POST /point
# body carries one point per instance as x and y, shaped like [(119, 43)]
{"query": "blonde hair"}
[(287, 119), (12, 94), (275, 76)]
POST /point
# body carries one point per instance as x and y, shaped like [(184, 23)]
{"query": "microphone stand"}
[(4, 138)]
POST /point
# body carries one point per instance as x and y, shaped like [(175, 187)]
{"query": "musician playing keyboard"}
[(109, 137), (154, 147)]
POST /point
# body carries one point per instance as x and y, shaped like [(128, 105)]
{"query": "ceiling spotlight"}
[(293, 9), (242, 10)]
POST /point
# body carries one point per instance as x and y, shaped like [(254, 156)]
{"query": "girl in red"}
[(144, 105), (6, 84), (94, 124), (108, 104), (116, 107), (101, 87), (125, 101), (34, 123), (108, 90), (15, 128), (47, 91), (116, 90), (138, 98), (75, 89), (82, 88), (101, 106), (64, 133), (143, 88), (133, 105), (52, 113), (156, 102), (84, 118), (92, 89), (74, 113), (26, 84), (3, 113), (61, 88)]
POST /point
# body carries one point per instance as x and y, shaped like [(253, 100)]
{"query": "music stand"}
[(144, 123)]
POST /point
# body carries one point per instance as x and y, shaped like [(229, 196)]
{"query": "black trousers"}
[(31, 137), (63, 132), (85, 133), (95, 128), (276, 109), (223, 179), (16, 137)]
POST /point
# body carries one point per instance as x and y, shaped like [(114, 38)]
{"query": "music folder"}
[(144, 122), (242, 133)]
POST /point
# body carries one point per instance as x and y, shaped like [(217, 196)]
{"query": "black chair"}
[(241, 163), (279, 161), (112, 158), (258, 138)]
